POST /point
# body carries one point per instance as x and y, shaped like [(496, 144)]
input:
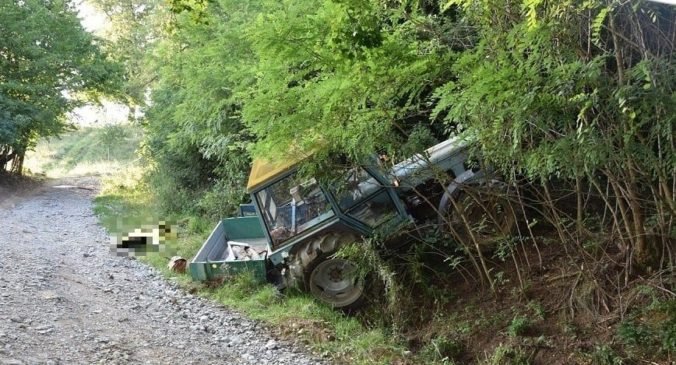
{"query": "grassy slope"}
[(85, 151)]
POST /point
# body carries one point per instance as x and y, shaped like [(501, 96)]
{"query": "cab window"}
[(290, 207), (361, 196)]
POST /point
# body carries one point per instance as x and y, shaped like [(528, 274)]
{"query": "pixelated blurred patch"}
[(150, 238)]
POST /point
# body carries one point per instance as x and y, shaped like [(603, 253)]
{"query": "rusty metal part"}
[(177, 264)]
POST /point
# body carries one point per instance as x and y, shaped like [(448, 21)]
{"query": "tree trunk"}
[(17, 162)]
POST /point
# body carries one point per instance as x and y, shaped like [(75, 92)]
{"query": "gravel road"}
[(65, 299)]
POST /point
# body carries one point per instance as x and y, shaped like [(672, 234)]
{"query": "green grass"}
[(507, 355), (86, 151), (518, 326), (328, 332)]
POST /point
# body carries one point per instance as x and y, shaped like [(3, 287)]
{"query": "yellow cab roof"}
[(263, 171)]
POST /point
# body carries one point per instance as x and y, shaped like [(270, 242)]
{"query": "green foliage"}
[(668, 337), (86, 151), (195, 136), (518, 326), (651, 329), (112, 136), (633, 334), (521, 60), (338, 76), (48, 65), (442, 350), (568, 91), (507, 355), (537, 309), (132, 28), (605, 355), (196, 8)]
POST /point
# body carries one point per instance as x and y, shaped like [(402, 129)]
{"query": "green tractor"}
[(290, 232)]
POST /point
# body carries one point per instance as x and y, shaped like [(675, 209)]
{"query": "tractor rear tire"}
[(329, 279), (492, 197)]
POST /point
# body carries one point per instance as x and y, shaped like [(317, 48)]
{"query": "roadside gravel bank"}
[(64, 299)]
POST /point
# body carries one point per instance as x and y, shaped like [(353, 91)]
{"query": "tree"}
[(341, 76), (135, 26), (112, 135), (320, 76), (552, 91), (194, 131), (582, 93), (48, 65)]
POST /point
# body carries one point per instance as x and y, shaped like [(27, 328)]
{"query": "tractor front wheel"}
[(335, 282), (331, 280)]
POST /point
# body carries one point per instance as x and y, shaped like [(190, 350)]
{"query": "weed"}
[(442, 349), (594, 247), (667, 332), (605, 355), (651, 329), (569, 328), (668, 337), (500, 279), (464, 327), (507, 355), (634, 334), (537, 309), (369, 262), (243, 286), (518, 326), (197, 225), (650, 292)]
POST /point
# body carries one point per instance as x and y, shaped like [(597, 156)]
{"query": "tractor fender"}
[(453, 189)]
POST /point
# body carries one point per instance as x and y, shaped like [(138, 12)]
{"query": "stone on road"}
[(65, 299)]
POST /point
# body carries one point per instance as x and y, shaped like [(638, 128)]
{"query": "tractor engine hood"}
[(445, 156)]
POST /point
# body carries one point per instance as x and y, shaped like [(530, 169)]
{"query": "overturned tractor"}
[(294, 225)]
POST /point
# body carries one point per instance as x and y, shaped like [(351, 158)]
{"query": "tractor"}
[(290, 232)]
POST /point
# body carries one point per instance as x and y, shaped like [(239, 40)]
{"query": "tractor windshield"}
[(290, 207)]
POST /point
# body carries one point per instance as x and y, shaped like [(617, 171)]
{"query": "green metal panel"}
[(210, 262), (197, 271), (243, 227)]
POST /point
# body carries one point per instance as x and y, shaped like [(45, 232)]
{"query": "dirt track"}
[(64, 299)]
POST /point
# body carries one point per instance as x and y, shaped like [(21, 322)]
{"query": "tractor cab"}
[(295, 224), (292, 209)]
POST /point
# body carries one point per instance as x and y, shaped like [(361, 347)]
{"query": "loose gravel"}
[(65, 299)]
